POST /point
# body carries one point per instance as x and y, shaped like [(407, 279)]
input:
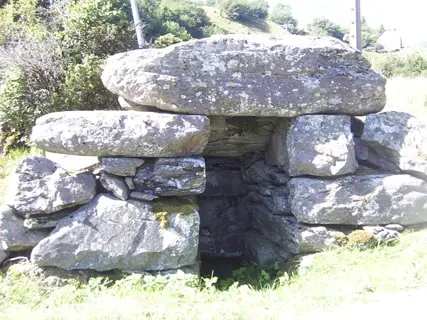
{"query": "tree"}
[(370, 35), (325, 27), (282, 14)]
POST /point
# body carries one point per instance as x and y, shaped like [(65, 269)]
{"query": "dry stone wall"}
[(231, 146)]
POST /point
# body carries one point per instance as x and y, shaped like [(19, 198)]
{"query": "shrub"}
[(166, 40), (179, 32), (282, 15), (244, 9), (96, 27), (398, 64), (82, 88), (325, 27), (33, 75)]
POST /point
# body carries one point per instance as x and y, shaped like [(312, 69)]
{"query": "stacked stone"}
[(259, 131), (132, 211)]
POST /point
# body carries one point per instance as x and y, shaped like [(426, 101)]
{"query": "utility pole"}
[(137, 23), (356, 26)]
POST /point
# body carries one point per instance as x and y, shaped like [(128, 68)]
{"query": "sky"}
[(409, 17)]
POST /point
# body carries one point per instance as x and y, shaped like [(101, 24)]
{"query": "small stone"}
[(34, 222), (130, 183), (142, 196), (121, 166), (13, 235), (114, 184), (171, 176), (382, 234), (395, 227)]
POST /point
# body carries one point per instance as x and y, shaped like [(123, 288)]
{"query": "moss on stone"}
[(340, 238), (361, 239), (163, 208)]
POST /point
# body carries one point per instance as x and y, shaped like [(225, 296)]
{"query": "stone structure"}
[(232, 146)]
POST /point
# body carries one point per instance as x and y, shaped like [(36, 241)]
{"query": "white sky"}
[(408, 16)]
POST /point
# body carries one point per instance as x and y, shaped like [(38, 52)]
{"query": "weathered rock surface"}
[(227, 75), (400, 138), (235, 136), (121, 166), (3, 254), (222, 224), (271, 200), (13, 235), (293, 236), (262, 251), (257, 171), (128, 105), (383, 235), (46, 221), (123, 235), (40, 186), (171, 176), (143, 196), (73, 163), (360, 200), (369, 157), (227, 183), (121, 133), (318, 145), (116, 185)]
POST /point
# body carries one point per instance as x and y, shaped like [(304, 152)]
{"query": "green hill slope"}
[(254, 26)]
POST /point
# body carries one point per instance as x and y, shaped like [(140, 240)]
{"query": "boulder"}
[(400, 138), (228, 75), (360, 200), (263, 252), (226, 183), (383, 235), (3, 255), (13, 235), (121, 166), (121, 133), (73, 163), (115, 185), (124, 235), (39, 186), (171, 177), (294, 237), (318, 145), (236, 136)]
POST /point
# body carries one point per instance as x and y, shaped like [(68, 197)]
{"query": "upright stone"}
[(125, 235), (121, 133), (399, 138), (318, 145), (228, 76)]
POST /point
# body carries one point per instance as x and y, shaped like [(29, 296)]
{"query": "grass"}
[(254, 26), (336, 278)]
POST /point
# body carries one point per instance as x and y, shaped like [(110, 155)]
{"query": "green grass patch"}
[(335, 278)]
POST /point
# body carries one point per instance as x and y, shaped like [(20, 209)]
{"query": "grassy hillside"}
[(253, 26)]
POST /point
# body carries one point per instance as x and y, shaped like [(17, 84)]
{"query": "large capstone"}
[(121, 133), (171, 176), (318, 145), (228, 75), (39, 186), (125, 235), (360, 200), (399, 138)]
